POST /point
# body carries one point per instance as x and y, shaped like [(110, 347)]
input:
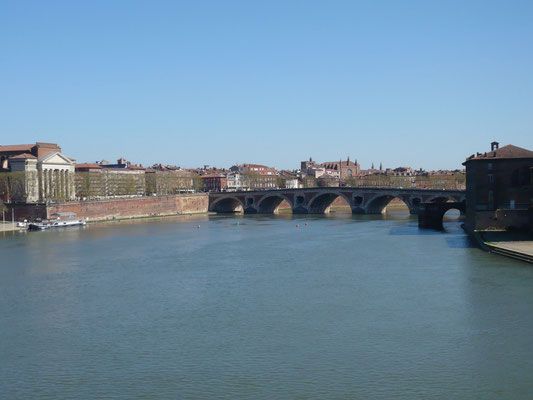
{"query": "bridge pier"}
[(431, 215), (300, 210)]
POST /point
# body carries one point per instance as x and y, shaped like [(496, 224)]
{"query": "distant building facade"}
[(290, 180), (344, 169), (104, 180), (256, 176), (214, 182), (330, 171), (499, 189), (36, 173), (165, 181), (237, 182)]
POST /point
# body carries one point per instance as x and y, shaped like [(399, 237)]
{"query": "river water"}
[(336, 307)]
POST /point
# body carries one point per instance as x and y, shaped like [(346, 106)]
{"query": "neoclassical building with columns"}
[(38, 173)]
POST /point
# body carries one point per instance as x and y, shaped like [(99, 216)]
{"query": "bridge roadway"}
[(362, 200)]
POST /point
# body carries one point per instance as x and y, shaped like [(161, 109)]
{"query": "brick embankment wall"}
[(101, 210)]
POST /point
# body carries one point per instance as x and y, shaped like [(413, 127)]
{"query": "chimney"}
[(494, 146)]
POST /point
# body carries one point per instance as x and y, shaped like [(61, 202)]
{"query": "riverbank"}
[(8, 227), (509, 244)]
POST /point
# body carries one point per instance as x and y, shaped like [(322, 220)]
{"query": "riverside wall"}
[(119, 208)]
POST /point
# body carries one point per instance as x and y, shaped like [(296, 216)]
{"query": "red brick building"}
[(499, 188), (214, 182), (345, 169)]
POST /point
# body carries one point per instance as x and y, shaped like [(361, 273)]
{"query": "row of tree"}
[(90, 185), (13, 186)]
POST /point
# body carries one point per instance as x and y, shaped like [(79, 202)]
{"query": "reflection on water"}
[(315, 307)]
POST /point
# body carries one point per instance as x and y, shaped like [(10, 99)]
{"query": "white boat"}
[(59, 220)]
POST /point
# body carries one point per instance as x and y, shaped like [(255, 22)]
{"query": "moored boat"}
[(59, 220)]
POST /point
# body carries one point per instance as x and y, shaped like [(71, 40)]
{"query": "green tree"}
[(198, 184)]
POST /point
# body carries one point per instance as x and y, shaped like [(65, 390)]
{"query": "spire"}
[(380, 166)]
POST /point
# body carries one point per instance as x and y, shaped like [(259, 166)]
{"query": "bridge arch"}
[(321, 202), (453, 214), (378, 204), (269, 203), (229, 204)]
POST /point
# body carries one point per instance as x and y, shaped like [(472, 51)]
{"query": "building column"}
[(67, 185), (62, 184), (41, 184), (53, 184), (50, 183), (45, 184), (64, 175), (57, 184)]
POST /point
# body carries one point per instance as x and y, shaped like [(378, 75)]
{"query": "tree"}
[(198, 184)]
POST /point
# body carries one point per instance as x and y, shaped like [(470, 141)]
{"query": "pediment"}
[(56, 158)]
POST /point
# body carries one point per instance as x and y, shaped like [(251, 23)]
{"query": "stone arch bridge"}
[(362, 200)]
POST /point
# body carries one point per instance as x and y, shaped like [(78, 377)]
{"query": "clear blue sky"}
[(419, 83)]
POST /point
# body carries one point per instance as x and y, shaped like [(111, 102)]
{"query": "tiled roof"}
[(88, 165), (508, 151), (255, 165), (23, 156), (16, 147), (213, 176), (343, 163)]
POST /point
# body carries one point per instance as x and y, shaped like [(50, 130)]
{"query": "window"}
[(515, 178), (491, 178), (489, 166), (526, 176), (491, 200)]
